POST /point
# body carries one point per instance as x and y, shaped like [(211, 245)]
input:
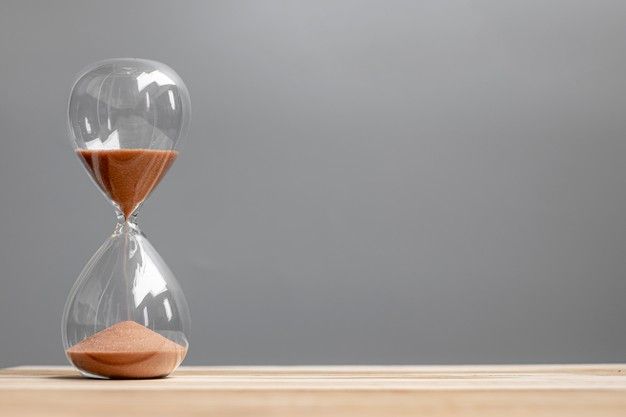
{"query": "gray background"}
[(365, 181)]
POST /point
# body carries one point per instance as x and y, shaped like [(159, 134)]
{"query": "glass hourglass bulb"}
[(126, 316)]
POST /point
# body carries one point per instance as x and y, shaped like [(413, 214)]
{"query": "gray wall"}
[(365, 181)]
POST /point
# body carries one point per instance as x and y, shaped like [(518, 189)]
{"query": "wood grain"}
[(525, 390)]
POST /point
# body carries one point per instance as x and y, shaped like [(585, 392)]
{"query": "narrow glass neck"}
[(122, 219), (126, 225)]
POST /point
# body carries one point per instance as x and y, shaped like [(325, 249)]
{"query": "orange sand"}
[(127, 176), (127, 350)]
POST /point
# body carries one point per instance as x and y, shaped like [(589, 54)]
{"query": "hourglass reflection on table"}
[(126, 316)]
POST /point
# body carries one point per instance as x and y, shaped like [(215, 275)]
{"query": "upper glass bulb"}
[(126, 118), (129, 103)]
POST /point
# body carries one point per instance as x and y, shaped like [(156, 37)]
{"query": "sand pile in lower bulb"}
[(127, 350)]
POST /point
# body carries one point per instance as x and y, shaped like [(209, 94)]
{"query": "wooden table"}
[(503, 391)]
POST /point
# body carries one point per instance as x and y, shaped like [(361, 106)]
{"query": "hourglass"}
[(126, 316)]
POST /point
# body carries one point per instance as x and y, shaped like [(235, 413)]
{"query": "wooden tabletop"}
[(525, 390)]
